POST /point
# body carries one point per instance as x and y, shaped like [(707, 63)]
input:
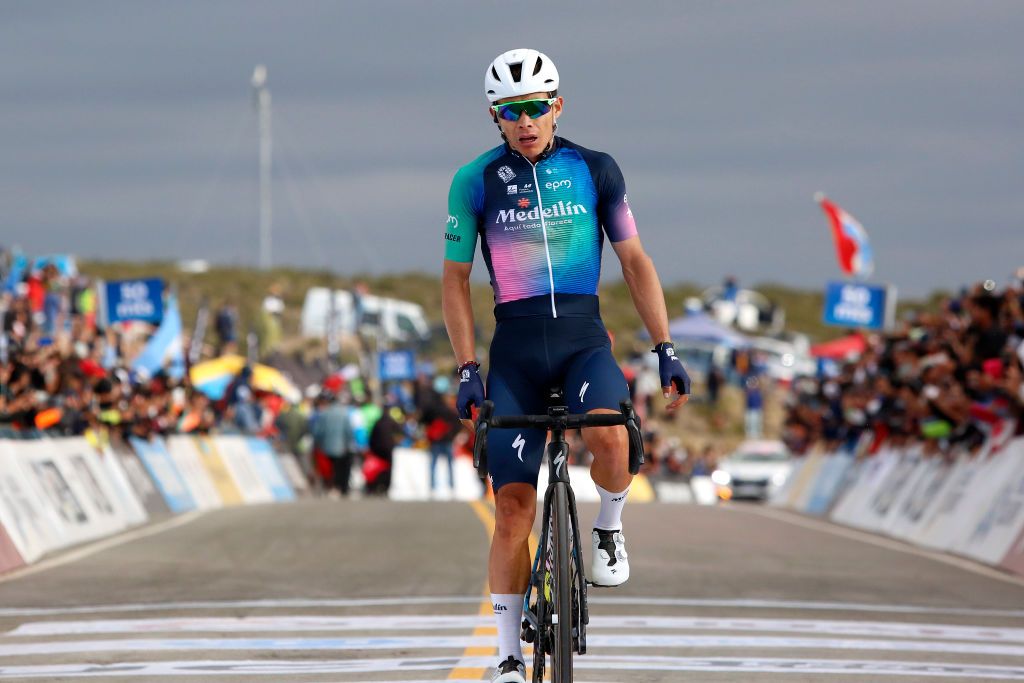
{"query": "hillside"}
[(247, 287)]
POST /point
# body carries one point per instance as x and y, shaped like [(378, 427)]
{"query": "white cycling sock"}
[(609, 517), (508, 613)]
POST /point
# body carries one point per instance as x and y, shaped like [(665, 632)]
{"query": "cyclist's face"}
[(530, 137)]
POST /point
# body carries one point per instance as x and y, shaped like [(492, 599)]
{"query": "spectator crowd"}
[(945, 380)]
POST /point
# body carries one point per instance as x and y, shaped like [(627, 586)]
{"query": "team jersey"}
[(541, 227)]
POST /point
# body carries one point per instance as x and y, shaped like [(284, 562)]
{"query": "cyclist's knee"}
[(515, 506), (606, 441)]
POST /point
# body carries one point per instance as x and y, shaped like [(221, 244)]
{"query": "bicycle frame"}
[(558, 476), (540, 626)]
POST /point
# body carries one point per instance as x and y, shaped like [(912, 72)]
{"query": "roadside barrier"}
[(966, 504), (55, 493)]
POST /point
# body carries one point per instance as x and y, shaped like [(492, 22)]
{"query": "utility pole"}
[(259, 84)]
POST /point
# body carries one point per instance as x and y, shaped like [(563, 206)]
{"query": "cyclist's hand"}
[(471, 391), (673, 374)]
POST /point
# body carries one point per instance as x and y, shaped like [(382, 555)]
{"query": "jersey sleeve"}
[(612, 202), (464, 206)]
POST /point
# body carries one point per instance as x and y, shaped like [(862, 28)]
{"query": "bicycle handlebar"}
[(487, 420), (563, 421)]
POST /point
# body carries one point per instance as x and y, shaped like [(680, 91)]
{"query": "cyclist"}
[(540, 206)]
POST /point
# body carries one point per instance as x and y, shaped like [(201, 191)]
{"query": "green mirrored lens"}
[(511, 111)]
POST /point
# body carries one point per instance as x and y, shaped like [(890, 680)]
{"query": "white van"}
[(394, 319)]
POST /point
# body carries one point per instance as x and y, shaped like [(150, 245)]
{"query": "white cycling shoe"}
[(610, 566), (510, 671)]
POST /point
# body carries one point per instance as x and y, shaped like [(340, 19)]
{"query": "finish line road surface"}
[(324, 590)]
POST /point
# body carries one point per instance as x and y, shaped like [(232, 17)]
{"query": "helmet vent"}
[(536, 68), (494, 73), (517, 71)]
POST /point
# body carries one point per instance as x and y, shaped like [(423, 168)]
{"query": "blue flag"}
[(165, 345)]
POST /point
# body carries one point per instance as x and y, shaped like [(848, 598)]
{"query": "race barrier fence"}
[(966, 504), (60, 492)]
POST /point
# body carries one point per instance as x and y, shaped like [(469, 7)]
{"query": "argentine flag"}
[(165, 345)]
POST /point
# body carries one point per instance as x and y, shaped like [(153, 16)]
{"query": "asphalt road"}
[(379, 591)]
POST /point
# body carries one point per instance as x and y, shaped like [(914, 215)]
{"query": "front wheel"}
[(562, 611)]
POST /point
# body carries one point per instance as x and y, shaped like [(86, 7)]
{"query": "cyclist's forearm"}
[(458, 311), (648, 298)]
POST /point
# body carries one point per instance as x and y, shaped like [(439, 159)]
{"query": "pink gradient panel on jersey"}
[(623, 226), (521, 268)]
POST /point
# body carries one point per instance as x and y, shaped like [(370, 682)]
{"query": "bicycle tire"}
[(562, 645)]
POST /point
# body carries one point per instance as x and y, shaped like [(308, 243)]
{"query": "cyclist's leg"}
[(513, 460), (594, 383)]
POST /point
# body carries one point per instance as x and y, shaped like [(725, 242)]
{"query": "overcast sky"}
[(128, 129)]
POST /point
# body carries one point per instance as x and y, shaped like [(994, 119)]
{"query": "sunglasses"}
[(511, 111)]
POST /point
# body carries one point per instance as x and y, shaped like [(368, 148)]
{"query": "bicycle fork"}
[(532, 629)]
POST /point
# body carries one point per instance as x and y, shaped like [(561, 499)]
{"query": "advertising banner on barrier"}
[(186, 457), (410, 478), (84, 512), (1002, 518), (803, 485), (826, 487), (270, 469), (31, 525), (9, 556), (94, 482), (854, 506), (893, 487), (931, 473), (238, 459), (217, 469), (152, 502), (129, 502), (942, 518), (292, 469), (165, 474)]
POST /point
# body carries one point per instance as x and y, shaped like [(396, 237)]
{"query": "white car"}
[(754, 470)]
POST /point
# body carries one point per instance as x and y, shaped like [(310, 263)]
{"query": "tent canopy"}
[(844, 347), (700, 327)]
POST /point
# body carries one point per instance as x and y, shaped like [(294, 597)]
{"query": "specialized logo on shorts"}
[(519, 443), (506, 174), (583, 390)]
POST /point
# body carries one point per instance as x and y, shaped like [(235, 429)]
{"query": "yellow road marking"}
[(486, 515)]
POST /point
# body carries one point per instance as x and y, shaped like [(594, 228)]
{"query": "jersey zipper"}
[(544, 230)]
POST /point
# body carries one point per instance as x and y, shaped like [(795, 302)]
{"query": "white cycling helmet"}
[(519, 72)]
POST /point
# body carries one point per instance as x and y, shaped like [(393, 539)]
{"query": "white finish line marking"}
[(436, 642), (291, 624), (286, 603), (747, 665)]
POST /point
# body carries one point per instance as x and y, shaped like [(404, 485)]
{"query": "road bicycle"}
[(556, 622)]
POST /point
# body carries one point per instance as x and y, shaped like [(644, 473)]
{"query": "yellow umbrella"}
[(213, 376)]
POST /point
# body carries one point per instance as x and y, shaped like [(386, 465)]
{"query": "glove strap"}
[(663, 346), (476, 367)]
